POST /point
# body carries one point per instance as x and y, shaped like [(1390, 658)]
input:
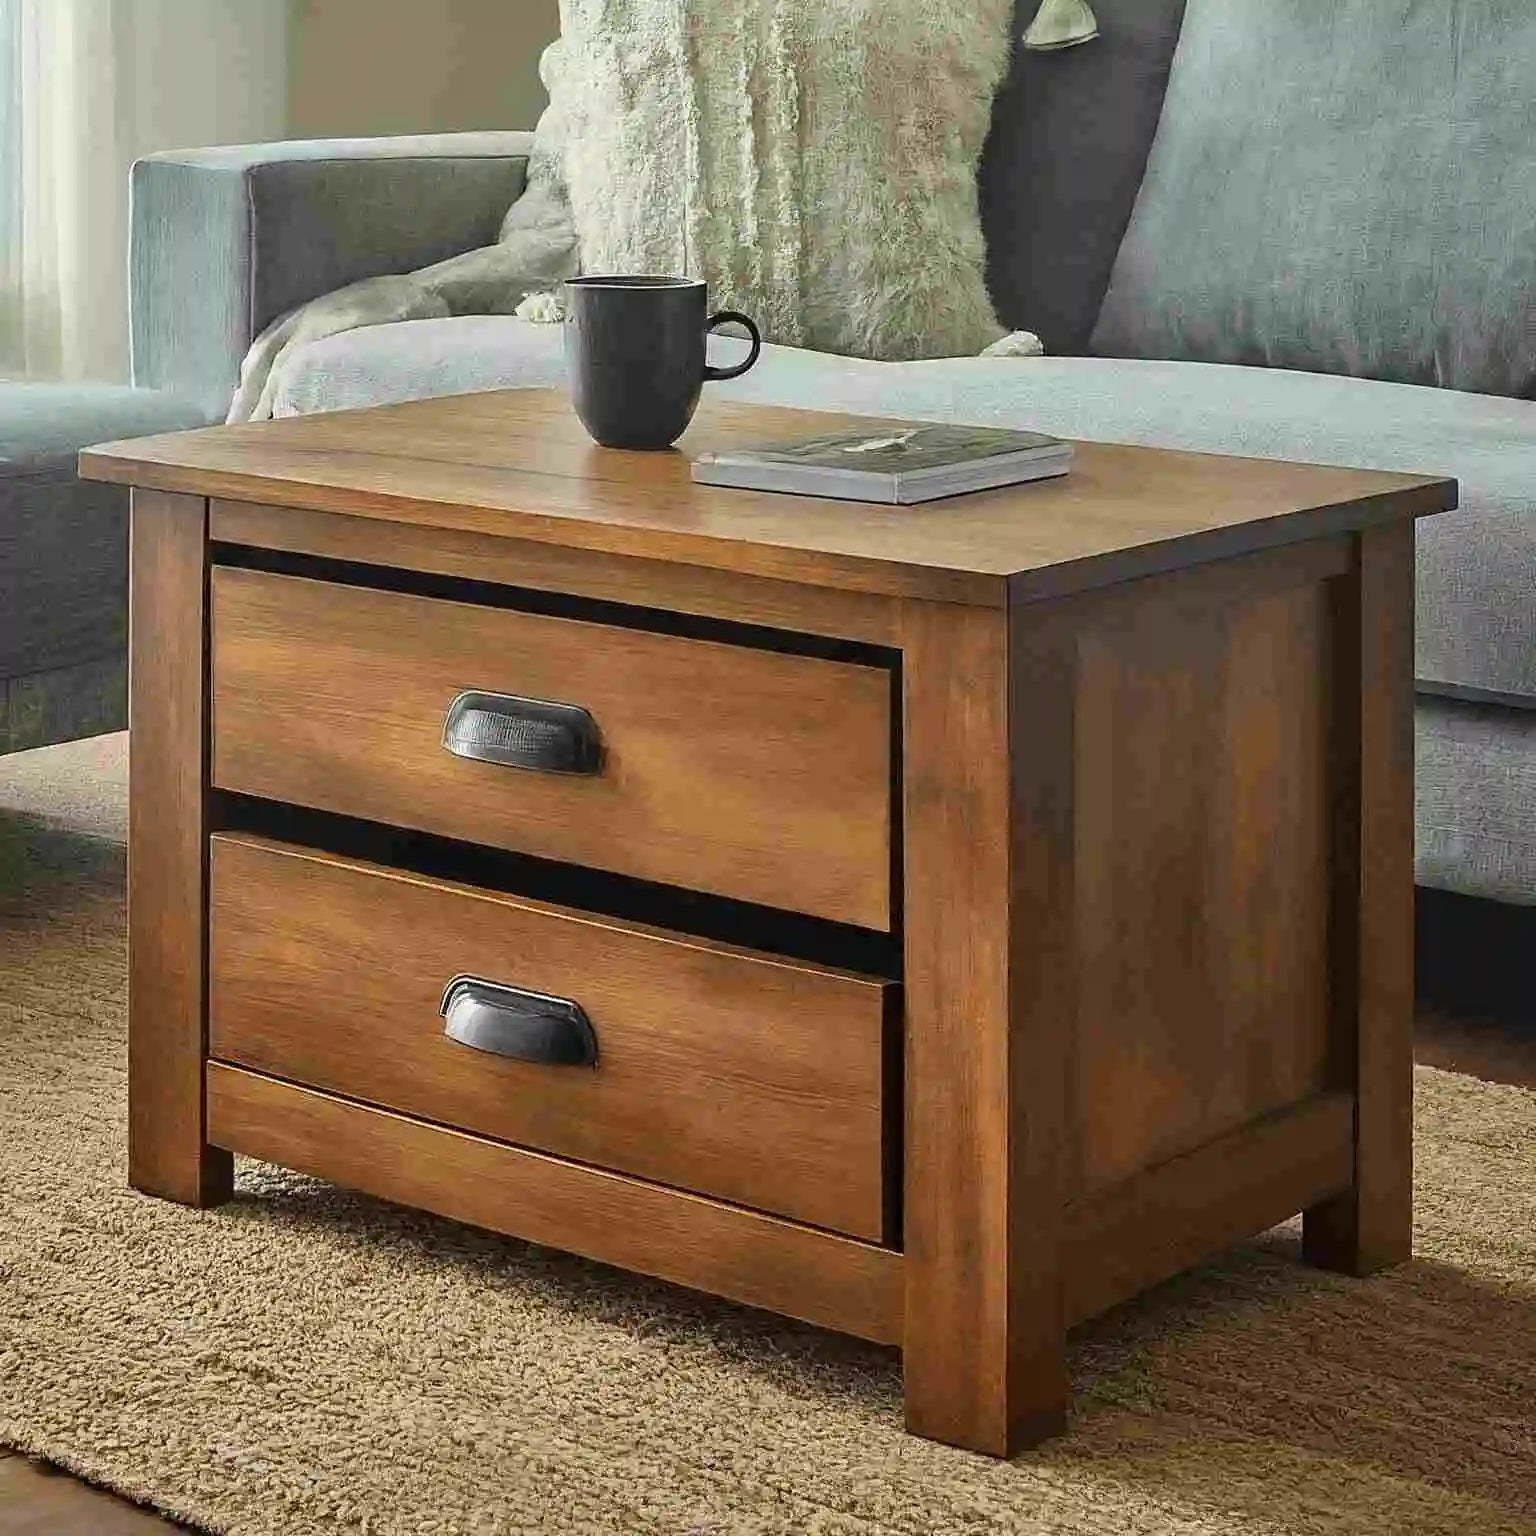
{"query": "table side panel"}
[(1203, 808)]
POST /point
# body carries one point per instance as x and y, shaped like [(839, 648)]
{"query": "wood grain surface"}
[(741, 772), (655, 584), (753, 1079), (983, 1353), (1371, 1226), (1120, 1240), (749, 1257), (167, 857), (1118, 824), (1201, 890), (518, 464)]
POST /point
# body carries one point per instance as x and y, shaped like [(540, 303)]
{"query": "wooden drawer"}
[(756, 1080), (725, 769)]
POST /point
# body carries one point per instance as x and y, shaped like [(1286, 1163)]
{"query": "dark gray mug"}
[(635, 347)]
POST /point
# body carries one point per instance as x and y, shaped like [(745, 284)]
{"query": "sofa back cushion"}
[(1069, 142), (1343, 188)]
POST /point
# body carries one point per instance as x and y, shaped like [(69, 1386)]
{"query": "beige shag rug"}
[(308, 1361)]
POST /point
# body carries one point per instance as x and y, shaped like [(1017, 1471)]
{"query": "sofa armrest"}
[(225, 240)]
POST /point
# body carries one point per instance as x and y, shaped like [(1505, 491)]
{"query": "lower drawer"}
[(738, 1075)]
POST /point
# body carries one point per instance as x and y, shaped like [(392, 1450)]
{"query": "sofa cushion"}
[(1059, 176), (418, 359), (1477, 566), (44, 426), (1476, 786), (64, 541), (1349, 188)]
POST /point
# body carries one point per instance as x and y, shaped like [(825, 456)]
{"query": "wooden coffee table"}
[(935, 923)]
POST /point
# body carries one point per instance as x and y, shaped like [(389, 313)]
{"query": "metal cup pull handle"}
[(524, 1026), (537, 734)]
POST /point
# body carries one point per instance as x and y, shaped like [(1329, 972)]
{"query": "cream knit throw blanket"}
[(814, 160)]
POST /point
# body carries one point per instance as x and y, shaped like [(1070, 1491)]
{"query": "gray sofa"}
[(64, 558), (225, 240), (222, 241)]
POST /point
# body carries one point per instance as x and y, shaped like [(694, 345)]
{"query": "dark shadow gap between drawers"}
[(811, 939), (561, 605)]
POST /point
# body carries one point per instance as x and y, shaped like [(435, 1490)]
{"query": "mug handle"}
[(722, 318)]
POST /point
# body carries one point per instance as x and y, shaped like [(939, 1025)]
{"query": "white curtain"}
[(91, 85)]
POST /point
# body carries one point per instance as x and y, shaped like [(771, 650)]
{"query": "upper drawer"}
[(721, 768)]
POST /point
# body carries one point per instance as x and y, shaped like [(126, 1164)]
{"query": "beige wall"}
[(125, 78), (409, 66), (202, 74)]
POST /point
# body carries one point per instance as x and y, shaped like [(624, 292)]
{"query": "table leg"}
[(168, 854), (987, 845), (1371, 1225)]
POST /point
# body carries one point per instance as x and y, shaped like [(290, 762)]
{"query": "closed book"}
[(898, 463)]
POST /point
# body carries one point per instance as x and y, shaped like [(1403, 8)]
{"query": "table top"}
[(517, 464)]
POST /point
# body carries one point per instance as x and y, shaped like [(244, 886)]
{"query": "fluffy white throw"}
[(814, 160)]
